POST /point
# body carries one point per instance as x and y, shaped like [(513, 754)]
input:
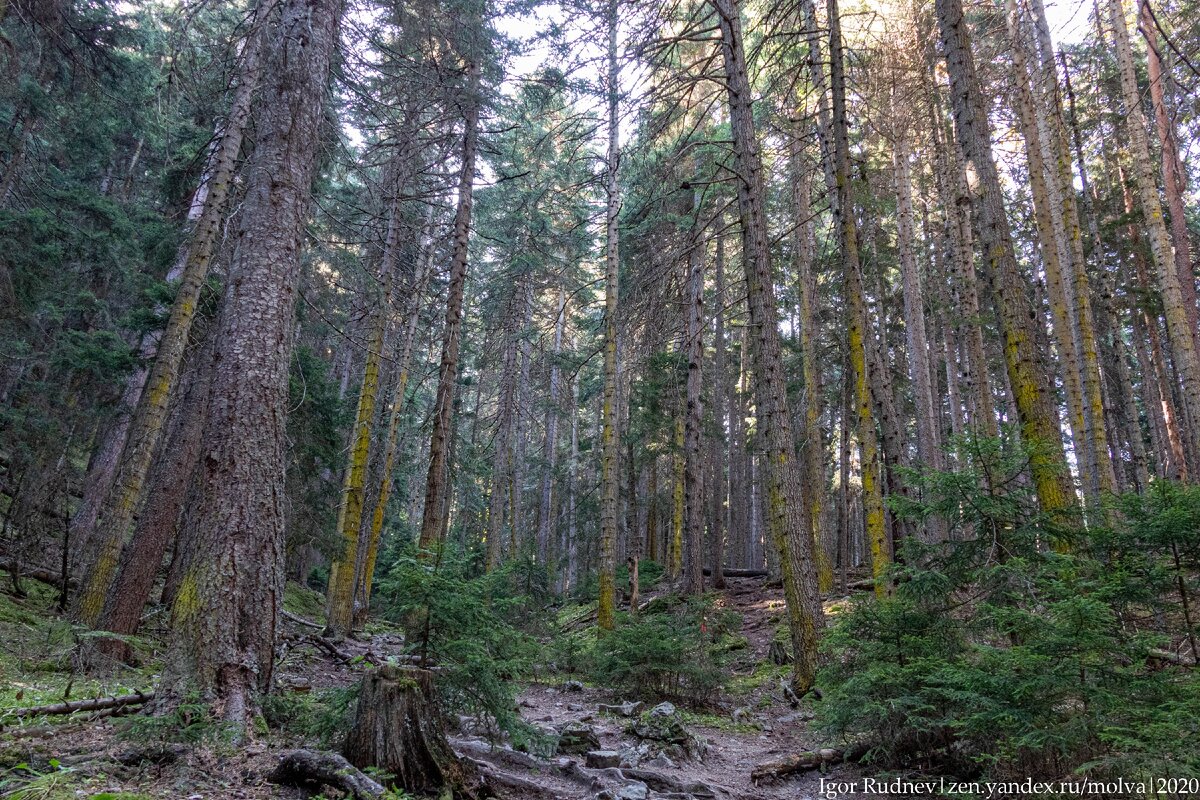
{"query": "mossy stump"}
[(398, 729)]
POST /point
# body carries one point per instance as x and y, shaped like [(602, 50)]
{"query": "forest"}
[(599, 399)]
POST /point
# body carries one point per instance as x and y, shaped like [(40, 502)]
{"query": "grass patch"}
[(304, 602), (765, 673)]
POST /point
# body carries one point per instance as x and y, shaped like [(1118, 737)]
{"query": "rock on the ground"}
[(663, 727), (571, 686), (602, 759), (577, 737), (630, 791), (627, 709), (663, 710)]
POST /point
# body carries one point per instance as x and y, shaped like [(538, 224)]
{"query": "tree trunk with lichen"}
[(1031, 388), (784, 517), (228, 604), (1180, 332), (857, 323), (117, 512)]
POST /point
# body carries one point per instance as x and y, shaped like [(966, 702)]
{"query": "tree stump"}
[(398, 728)]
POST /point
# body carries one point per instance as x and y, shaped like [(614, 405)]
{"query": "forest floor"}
[(135, 756)]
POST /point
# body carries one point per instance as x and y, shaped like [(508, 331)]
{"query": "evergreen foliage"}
[(1001, 656)]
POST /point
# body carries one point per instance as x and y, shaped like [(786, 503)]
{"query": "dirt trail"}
[(766, 728)]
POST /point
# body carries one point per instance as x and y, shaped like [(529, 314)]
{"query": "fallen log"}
[(1169, 656), (740, 573), (299, 620), (307, 767), (803, 762), (38, 574), (94, 704)]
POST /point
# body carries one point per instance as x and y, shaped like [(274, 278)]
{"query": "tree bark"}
[(718, 444), (1180, 328), (227, 607), (1174, 176), (609, 446), (121, 503), (784, 517), (433, 518), (1037, 415)]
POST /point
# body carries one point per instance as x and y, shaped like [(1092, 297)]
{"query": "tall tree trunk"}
[(693, 474), (678, 497), (343, 577), (811, 443), (545, 520), (1174, 176), (1053, 251), (609, 452), (1066, 214), (1037, 415), (1113, 346), (366, 575), (928, 440), (117, 512), (784, 517), (572, 544), (1180, 326), (433, 518), (502, 447), (858, 325), (228, 604), (718, 444)]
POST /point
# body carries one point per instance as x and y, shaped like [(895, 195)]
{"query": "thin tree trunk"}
[(717, 445), (693, 473), (1174, 176), (433, 518), (811, 443), (395, 405), (858, 326), (929, 446), (551, 451), (1068, 225), (609, 454), (1060, 292), (339, 605)]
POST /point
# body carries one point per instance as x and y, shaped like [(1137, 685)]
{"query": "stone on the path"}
[(602, 759), (626, 709), (572, 686), (796, 718), (660, 761), (663, 710), (576, 738), (663, 726)]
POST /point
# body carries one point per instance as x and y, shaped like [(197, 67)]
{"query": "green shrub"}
[(676, 650), (320, 716), (465, 623), (998, 656)]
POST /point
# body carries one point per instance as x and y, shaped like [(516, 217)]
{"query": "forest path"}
[(752, 724)]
